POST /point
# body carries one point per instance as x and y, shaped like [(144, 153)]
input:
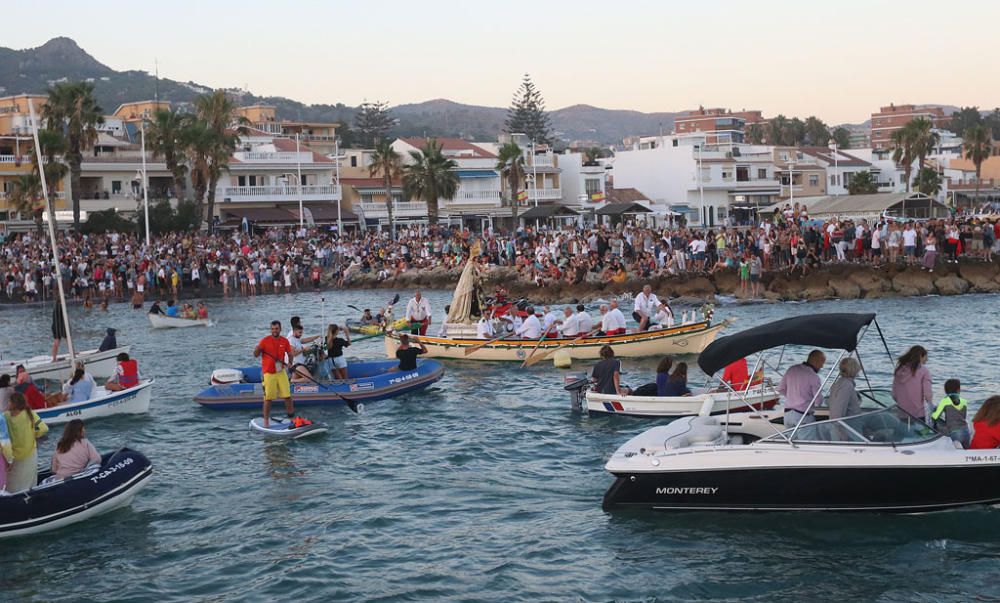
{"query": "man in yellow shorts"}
[(275, 353)]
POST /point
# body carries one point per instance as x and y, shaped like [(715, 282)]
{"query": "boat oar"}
[(534, 349), (538, 359), (479, 346), (352, 404)]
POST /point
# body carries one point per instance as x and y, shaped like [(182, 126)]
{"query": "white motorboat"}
[(162, 321), (100, 365), (878, 460), (703, 401), (104, 403)]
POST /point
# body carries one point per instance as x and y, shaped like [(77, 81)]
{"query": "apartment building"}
[(17, 148), (721, 125), (840, 167), (584, 183), (893, 117), (321, 137)]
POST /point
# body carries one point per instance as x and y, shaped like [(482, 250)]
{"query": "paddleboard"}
[(6, 447), (283, 428)]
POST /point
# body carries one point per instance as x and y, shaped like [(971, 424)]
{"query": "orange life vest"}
[(130, 373)]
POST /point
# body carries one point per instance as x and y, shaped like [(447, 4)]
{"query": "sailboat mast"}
[(52, 232)]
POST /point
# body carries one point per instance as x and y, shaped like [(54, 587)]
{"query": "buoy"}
[(562, 359)]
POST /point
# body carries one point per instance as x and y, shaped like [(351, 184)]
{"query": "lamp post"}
[(298, 170), (791, 183), (339, 191), (534, 174), (701, 188), (145, 179), (836, 164)]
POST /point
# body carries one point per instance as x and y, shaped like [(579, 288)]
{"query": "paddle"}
[(534, 349), (479, 346), (538, 359), (352, 404)]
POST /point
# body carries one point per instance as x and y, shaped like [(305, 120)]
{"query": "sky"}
[(839, 60)]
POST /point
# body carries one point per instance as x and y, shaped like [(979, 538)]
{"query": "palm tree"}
[(862, 183), (26, 195), (754, 133), (389, 163), (924, 139), (72, 109), (430, 177), (591, 156), (168, 140), (224, 126), (510, 164), (928, 181), (977, 144), (198, 143), (902, 154)]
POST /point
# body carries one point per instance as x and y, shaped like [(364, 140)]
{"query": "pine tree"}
[(372, 123), (527, 114)]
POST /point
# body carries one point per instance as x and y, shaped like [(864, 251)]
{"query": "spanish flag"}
[(597, 197), (522, 196)]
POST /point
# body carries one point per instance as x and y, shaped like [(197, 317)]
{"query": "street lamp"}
[(340, 191), (145, 180), (836, 164), (791, 183), (298, 169)]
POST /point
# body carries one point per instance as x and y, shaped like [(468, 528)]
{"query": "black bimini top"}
[(831, 331)]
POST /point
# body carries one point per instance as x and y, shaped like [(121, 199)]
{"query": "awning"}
[(831, 331), (547, 211), (326, 213), (621, 209), (477, 174), (682, 208), (262, 214)]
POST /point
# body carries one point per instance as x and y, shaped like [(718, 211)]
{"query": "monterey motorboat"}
[(881, 459), (55, 502)]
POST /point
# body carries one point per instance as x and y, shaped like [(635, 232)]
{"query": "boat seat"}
[(705, 434), (695, 421)]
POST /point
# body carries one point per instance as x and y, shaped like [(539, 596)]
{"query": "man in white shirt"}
[(584, 323), (646, 304), (297, 342), (418, 312), (531, 328), (484, 328), (570, 325), (549, 318), (613, 322)]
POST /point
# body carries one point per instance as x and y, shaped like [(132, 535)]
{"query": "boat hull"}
[(161, 321), (884, 489), (378, 384), (47, 507), (685, 339), (100, 365), (680, 406), (134, 400)]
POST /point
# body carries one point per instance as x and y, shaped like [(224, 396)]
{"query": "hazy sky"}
[(836, 59)]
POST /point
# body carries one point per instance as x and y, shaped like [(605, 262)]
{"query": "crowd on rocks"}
[(119, 266)]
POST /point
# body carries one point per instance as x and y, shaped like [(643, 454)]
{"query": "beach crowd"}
[(119, 265)]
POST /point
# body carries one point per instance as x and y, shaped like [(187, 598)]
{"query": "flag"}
[(597, 197), (522, 195)]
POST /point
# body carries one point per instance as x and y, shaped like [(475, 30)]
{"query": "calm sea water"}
[(486, 487)]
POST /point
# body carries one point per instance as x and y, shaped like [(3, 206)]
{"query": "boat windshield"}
[(888, 426)]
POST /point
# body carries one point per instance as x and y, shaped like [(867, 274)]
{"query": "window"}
[(783, 156), (833, 180), (116, 187), (761, 173), (743, 174), (241, 181), (814, 180), (592, 185), (354, 161), (253, 180), (727, 174)]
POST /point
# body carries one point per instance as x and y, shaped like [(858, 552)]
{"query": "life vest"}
[(130, 373), (949, 416)]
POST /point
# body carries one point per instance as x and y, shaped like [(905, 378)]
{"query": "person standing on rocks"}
[(756, 268)]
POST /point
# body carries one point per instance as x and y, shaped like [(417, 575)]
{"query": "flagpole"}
[(52, 233)]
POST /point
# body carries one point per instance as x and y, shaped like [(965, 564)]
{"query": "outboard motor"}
[(226, 376), (577, 385)]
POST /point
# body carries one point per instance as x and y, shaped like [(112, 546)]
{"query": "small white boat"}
[(100, 365), (701, 402), (162, 321), (104, 403)]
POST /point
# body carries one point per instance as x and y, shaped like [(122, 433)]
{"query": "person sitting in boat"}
[(646, 304), (513, 320), (187, 312), (986, 425), (78, 388), (484, 328), (74, 452), (155, 308), (663, 375), (110, 342), (418, 313), (126, 374), (737, 374), (664, 316), (406, 354), (367, 319), (949, 417), (612, 319), (26, 387), (531, 328), (549, 320), (607, 374), (677, 382), (335, 350), (843, 399), (172, 309), (299, 370), (202, 311), (584, 323), (569, 326), (800, 385)]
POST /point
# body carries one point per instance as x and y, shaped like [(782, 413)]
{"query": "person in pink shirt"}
[(74, 451), (911, 383)]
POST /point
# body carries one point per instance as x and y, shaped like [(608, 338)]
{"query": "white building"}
[(583, 185)]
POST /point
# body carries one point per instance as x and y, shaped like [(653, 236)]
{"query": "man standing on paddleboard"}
[(274, 352)]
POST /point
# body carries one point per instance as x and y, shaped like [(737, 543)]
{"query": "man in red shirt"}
[(275, 353)]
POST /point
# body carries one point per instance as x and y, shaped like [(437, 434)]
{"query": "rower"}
[(646, 304), (531, 328), (484, 328), (570, 324), (613, 321), (418, 313), (367, 318), (584, 323), (549, 320)]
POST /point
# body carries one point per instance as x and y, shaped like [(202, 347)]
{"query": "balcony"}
[(489, 196), (14, 159), (544, 194), (542, 161), (407, 209), (280, 157), (273, 194), (970, 185)]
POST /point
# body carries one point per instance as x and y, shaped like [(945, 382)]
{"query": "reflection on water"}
[(484, 487)]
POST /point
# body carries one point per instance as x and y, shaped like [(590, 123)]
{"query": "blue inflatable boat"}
[(366, 382), (55, 503)]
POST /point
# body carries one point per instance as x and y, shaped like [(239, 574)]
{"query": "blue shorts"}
[(910, 250)]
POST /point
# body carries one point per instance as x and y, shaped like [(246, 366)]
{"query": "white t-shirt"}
[(298, 350), (570, 326), (646, 304), (531, 328), (909, 238), (584, 323), (614, 319), (484, 329)]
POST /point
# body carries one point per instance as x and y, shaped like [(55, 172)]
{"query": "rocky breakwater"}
[(844, 281)]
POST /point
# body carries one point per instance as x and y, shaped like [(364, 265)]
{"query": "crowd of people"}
[(119, 266)]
